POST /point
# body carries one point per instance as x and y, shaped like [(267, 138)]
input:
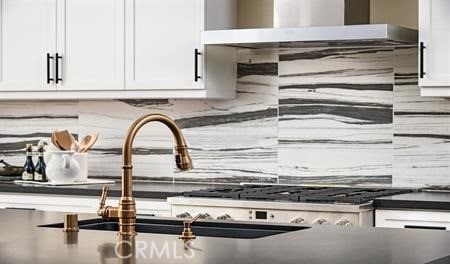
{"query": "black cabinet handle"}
[(57, 57), (20, 208), (196, 54), (49, 79), (426, 227), (422, 48)]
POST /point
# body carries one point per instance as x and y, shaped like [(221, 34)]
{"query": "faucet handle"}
[(104, 195), (101, 207), (107, 212)]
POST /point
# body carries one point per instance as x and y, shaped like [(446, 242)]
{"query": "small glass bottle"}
[(40, 174), (28, 168)]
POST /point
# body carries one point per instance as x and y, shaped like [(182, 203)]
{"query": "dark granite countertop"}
[(21, 241), (141, 189), (417, 200)]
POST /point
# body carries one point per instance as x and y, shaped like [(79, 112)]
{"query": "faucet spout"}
[(126, 212), (182, 158)]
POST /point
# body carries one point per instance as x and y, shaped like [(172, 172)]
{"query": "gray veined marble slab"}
[(152, 157), (235, 140), (335, 115), (421, 128)]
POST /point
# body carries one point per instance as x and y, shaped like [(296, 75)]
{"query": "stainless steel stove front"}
[(276, 212)]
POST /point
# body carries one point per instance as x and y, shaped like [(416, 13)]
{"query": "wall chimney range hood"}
[(355, 35), (315, 23)]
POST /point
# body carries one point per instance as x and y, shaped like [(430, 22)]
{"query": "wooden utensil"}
[(64, 139), (87, 142), (75, 145), (54, 141)]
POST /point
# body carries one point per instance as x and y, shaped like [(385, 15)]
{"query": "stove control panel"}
[(363, 218), (261, 215)]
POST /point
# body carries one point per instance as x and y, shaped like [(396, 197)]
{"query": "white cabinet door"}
[(434, 43), (27, 34), (161, 38), (91, 44)]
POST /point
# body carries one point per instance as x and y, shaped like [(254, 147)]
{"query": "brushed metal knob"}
[(184, 215), (205, 216), (344, 222), (71, 223), (320, 221), (224, 217), (298, 220)]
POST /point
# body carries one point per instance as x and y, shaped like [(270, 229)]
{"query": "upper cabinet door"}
[(91, 44), (27, 34), (161, 38), (434, 43)]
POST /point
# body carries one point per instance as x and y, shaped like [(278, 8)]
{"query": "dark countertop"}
[(141, 189), (417, 200), (21, 241)]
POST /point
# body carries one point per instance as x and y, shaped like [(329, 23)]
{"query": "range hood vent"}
[(317, 36), (313, 23)]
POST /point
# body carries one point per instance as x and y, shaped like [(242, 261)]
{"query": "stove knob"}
[(184, 215), (344, 222), (298, 220), (320, 221), (205, 216), (224, 217)]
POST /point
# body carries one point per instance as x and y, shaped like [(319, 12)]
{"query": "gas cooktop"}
[(303, 194)]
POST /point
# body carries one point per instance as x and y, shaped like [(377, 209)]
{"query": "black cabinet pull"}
[(422, 48), (425, 227), (196, 54), (57, 57), (49, 79), (20, 208)]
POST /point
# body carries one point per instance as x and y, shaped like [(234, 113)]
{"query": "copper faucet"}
[(126, 212)]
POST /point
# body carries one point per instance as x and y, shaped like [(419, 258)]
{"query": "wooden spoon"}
[(54, 142), (64, 139), (87, 142)]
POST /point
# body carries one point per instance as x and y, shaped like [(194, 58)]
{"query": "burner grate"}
[(296, 193)]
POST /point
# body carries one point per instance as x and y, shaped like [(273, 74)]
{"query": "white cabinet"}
[(115, 49), (418, 219), (90, 45), (164, 51), (161, 40), (27, 35), (77, 204), (434, 47)]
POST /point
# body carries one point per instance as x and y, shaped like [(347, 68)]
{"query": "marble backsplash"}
[(328, 115)]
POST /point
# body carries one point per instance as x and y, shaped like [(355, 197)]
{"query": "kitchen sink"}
[(201, 228)]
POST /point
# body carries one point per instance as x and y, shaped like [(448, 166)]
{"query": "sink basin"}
[(201, 228)]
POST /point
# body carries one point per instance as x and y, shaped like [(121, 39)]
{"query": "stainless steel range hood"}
[(355, 35), (315, 23)]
